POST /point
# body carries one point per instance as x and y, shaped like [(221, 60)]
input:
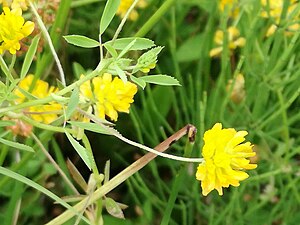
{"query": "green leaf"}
[(111, 50), (121, 73), (139, 44), (25, 180), (16, 145), (127, 48), (113, 208), (80, 150), (91, 127), (29, 56), (74, 100), (109, 12), (138, 81), (81, 41), (161, 80)]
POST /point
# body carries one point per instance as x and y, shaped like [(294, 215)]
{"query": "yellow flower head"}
[(108, 96), (232, 5), (234, 41), (224, 159), (15, 4), (42, 113), (13, 29), (273, 9), (125, 5)]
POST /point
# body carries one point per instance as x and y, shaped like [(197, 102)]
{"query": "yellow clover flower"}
[(125, 5), (273, 9), (15, 4), (232, 5), (42, 113), (13, 29), (234, 41), (108, 96), (224, 159)]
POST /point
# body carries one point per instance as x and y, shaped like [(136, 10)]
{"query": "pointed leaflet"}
[(161, 80), (139, 44), (81, 41), (74, 100), (109, 12), (138, 81), (29, 56), (16, 145), (80, 150)]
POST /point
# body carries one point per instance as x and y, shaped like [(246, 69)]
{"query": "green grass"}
[(166, 191)]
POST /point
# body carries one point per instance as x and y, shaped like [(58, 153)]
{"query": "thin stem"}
[(121, 177), (115, 133), (64, 176), (48, 38), (155, 18), (124, 20)]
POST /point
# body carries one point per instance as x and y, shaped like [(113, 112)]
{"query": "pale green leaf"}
[(139, 44), (74, 100), (81, 41), (121, 73), (29, 56), (111, 50), (16, 145), (109, 12), (138, 81), (80, 150), (127, 48), (161, 80)]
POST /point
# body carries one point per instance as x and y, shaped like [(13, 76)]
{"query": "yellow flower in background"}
[(236, 87), (125, 5), (234, 41), (108, 96), (15, 4), (13, 28), (273, 9), (224, 156), (232, 5), (42, 113)]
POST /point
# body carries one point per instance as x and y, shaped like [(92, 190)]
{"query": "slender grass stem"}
[(48, 38)]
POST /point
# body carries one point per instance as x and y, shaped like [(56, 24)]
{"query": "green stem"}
[(155, 18), (55, 34), (48, 38)]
